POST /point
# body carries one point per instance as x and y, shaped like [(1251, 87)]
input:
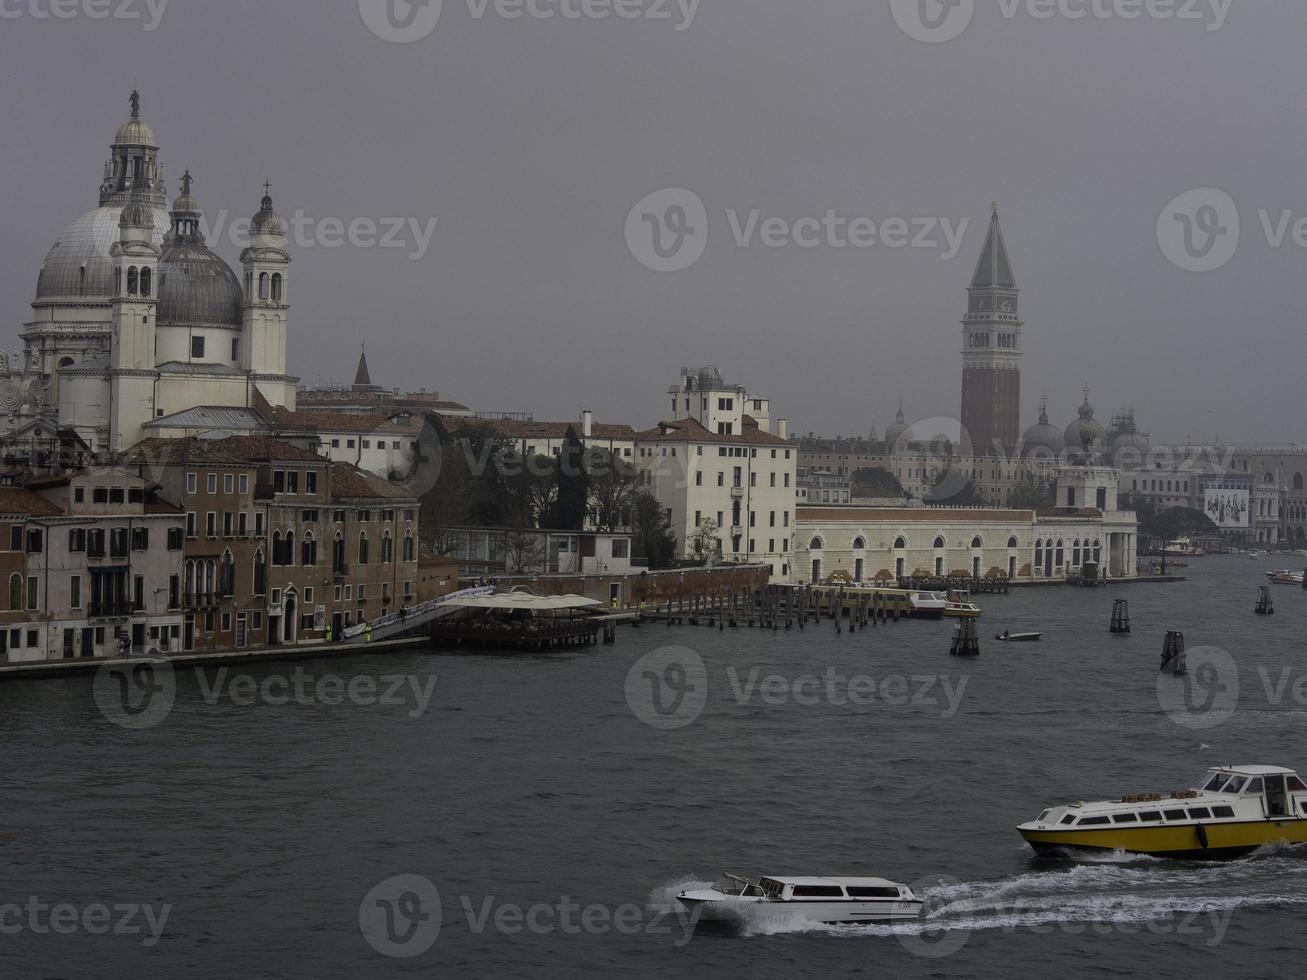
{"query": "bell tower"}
[(991, 352), (131, 363), (266, 264)]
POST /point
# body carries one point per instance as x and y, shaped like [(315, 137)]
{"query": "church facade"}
[(136, 318)]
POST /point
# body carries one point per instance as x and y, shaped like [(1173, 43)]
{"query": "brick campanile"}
[(991, 352)]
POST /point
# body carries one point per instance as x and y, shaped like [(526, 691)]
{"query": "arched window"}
[(815, 544), (210, 577), (133, 280), (145, 282), (276, 287), (900, 543), (939, 542), (409, 547), (227, 585), (288, 552), (859, 543), (310, 550), (1297, 481), (260, 574), (1060, 556), (387, 549), (363, 547), (1012, 542), (276, 548), (338, 554), (1039, 552), (1075, 553), (66, 362), (1098, 553), (15, 592), (977, 543), (263, 285)]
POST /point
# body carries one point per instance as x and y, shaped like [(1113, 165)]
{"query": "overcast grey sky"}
[(531, 139)]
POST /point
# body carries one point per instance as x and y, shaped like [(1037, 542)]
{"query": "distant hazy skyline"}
[(529, 141)]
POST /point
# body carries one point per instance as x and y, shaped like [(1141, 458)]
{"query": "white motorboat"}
[(835, 900), (928, 605), (1285, 576)]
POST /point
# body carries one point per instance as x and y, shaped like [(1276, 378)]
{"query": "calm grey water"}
[(529, 785)]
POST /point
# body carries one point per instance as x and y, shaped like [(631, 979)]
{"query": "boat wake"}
[(1197, 899)]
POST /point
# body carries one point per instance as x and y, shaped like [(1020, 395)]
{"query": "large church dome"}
[(78, 268), (197, 288), (1044, 438)]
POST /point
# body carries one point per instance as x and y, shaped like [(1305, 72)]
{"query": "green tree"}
[(655, 541), (876, 481), (1032, 493), (573, 484), (612, 490)]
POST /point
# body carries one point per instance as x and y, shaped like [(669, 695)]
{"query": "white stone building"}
[(727, 483), (136, 318)]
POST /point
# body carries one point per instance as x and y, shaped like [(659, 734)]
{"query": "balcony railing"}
[(110, 610)]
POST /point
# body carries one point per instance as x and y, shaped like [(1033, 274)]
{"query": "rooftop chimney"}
[(587, 424), (783, 428)]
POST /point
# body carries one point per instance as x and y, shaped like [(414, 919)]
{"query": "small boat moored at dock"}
[(928, 605), (1230, 811), (833, 900)]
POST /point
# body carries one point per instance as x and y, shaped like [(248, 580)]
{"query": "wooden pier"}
[(785, 606)]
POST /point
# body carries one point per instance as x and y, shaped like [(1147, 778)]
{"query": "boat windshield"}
[(736, 886)]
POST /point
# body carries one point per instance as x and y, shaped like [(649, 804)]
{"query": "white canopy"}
[(525, 600)]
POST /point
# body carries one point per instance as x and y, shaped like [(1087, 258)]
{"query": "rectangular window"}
[(76, 540), (211, 482), (292, 482), (227, 523), (258, 524), (235, 352), (241, 527), (33, 593), (138, 593), (1199, 813), (15, 537), (140, 539), (79, 495), (228, 482), (174, 591), (197, 347), (116, 495), (367, 443), (190, 524), (211, 524), (244, 483), (311, 482), (335, 443), (135, 495), (119, 543), (35, 541), (278, 481), (192, 481), (100, 495), (75, 592)]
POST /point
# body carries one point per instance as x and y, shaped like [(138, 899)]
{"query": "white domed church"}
[(137, 319)]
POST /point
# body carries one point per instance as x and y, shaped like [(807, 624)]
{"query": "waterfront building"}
[(822, 487), (491, 552), (1023, 545), (92, 555), (726, 482), (136, 317)]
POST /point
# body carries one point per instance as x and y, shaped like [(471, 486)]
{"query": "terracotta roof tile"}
[(351, 483), (14, 500), (689, 430)]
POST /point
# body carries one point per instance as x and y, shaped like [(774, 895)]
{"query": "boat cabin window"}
[(1235, 785), (1296, 785), (1094, 821), (1176, 815), (817, 891), (1043, 816), (1126, 818), (1069, 818), (771, 888), (1199, 813), (1221, 812), (1214, 784), (872, 891), (1150, 816), (1254, 787)]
